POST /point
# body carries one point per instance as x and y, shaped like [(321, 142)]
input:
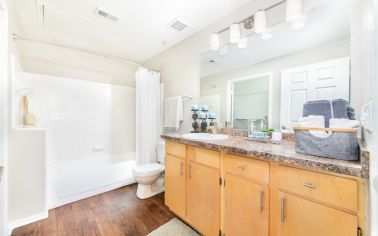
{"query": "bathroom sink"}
[(205, 136)]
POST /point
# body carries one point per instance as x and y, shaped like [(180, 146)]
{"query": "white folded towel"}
[(343, 123), (314, 122), (173, 113)]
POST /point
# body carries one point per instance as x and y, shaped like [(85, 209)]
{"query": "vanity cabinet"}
[(175, 172), (300, 216), (203, 190), (175, 178), (246, 196), (312, 203), (223, 194)]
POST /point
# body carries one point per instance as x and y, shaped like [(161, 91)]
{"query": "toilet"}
[(150, 177)]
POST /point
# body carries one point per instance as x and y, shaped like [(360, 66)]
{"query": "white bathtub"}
[(75, 180)]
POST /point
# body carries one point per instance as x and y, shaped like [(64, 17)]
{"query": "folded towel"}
[(343, 123), (313, 122), (173, 113), (324, 108)]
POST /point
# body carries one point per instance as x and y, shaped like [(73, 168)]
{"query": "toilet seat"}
[(148, 169)]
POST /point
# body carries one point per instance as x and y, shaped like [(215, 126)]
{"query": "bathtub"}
[(75, 180)]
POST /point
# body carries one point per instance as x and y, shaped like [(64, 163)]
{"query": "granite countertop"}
[(282, 153)]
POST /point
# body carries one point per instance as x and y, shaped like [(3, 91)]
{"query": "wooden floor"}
[(118, 212)]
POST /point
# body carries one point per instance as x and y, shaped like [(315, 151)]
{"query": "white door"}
[(321, 81)]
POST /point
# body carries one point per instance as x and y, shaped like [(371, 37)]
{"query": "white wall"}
[(80, 115), (326, 52), (12, 26), (366, 50), (3, 115)]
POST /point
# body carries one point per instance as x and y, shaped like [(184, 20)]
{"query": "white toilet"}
[(150, 177)]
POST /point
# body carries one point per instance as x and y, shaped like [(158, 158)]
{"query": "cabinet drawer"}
[(247, 168), (338, 191), (175, 149), (204, 156)]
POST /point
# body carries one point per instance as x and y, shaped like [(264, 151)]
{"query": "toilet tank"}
[(160, 151)]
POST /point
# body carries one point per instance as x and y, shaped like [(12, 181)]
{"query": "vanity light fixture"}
[(234, 33), (215, 42), (293, 9), (260, 21), (294, 14), (243, 42)]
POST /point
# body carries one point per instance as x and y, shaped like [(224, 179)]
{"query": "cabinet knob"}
[(309, 185), (242, 167)]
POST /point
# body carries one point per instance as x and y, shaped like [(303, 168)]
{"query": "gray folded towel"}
[(323, 108)]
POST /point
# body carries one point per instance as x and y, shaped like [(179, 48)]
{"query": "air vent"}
[(178, 25), (106, 14)]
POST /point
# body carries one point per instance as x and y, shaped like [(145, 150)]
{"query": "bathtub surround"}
[(90, 141), (148, 124)]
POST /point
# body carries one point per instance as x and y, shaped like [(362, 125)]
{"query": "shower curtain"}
[(147, 115)]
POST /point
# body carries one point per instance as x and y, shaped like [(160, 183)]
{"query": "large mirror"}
[(271, 78)]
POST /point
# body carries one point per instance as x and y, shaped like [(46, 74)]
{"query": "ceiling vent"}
[(178, 25), (106, 14)]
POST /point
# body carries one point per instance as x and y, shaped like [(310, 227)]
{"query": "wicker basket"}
[(341, 144)]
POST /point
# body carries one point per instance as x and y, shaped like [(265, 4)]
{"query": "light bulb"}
[(260, 21), (243, 42), (298, 23), (266, 35), (293, 9), (234, 33)]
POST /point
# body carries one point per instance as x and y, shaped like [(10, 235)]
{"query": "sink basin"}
[(205, 136)]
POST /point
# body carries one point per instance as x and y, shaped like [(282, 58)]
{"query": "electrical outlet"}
[(367, 116)]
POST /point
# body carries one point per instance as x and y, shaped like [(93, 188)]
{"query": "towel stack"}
[(327, 114)]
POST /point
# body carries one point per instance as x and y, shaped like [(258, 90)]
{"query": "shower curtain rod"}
[(116, 58)]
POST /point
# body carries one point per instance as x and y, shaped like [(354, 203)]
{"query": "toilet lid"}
[(149, 168)]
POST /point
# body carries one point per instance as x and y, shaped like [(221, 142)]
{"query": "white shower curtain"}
[(147, 115)]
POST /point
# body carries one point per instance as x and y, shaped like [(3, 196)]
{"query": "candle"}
[(212, 116), (202, 115), (204, 108), (195, 107)]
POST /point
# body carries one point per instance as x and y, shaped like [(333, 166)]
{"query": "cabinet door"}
[(299, 216), (175, 185), (246, 207), (203, 202)]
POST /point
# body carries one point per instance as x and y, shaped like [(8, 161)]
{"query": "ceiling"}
[(325, 23), (141, 32)]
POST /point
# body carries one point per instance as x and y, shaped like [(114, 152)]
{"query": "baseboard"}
[(91, 193), (27, 220)]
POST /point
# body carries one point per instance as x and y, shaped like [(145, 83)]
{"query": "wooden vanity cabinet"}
[(222, 194), (312, 203), (175, 178), (246, 189), (203, 190), (300, 216)]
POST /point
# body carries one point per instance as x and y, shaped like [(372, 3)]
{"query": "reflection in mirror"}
[(249, 101), (245, 84)]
